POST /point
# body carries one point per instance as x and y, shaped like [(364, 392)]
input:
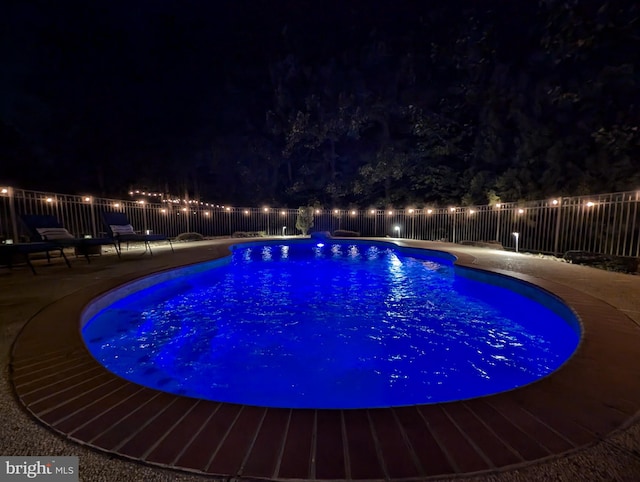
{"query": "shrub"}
[(345, 233), (189, 237)]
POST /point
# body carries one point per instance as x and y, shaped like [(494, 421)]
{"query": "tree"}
[(304, 222)]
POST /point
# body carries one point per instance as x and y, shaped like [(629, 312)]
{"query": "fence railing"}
[(605, 223)]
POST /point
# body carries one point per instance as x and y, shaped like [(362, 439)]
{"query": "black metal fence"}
[(605, 223)]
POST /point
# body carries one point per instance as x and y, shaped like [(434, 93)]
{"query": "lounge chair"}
[(120, 229), (9, 253), (47, 228)]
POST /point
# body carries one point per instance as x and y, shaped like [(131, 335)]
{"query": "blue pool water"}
[(340, 325)]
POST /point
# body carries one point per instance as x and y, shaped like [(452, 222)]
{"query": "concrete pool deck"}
[(578, 424)]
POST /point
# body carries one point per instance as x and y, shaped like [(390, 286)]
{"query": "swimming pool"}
[(339, 325)]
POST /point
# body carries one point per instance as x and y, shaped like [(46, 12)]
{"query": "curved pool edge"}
[(592, 395)]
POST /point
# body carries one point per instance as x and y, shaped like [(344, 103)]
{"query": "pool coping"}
[(60, 384)]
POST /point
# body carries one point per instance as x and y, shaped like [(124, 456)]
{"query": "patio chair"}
[(9, 253), (47, 228), (120, 229)]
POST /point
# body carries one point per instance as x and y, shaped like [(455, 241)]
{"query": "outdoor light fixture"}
[(317, 211), (266, 210), (517, 236), (452, 209), (397, 229), (554, 202), (283, 213), (335, 211), (520, 211), (163, 210), (228, 209), (429, 211), (49, 200), (206, 213), (87, 199), (390, 213), (590, 204), (373, 211), (410, 211), (116, 205), (353, 213), (246, 211), (471, 211), (4, 190)]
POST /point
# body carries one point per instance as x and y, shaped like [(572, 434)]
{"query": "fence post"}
[(94, 229), (556, 239), (12, 215)]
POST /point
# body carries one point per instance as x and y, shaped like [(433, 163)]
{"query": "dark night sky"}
[(108, 93), (105, 79), (156, 66)]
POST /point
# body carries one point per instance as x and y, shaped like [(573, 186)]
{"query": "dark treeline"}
[(345, 103)]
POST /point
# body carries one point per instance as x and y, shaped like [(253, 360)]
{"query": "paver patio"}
[(592, 399)]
